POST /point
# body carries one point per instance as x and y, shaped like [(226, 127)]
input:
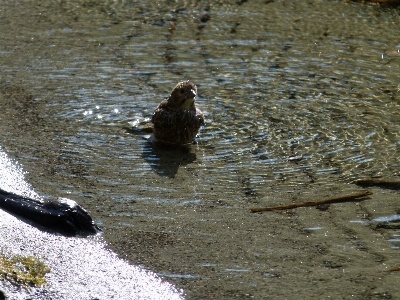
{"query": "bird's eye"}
[(182, 91)]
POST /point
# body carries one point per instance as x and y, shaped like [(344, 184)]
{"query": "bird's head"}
[(183, 95)]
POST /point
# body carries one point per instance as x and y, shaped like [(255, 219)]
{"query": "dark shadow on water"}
[(166, 159)]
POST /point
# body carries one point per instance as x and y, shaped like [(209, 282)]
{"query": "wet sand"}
[(304, 253), (213, 248)]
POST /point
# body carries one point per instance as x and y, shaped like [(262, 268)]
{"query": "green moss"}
[(23, 270)]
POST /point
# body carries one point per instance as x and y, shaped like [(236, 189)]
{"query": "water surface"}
[(295, 95)]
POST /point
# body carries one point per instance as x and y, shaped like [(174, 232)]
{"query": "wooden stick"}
[(393, 269), (346, 198)]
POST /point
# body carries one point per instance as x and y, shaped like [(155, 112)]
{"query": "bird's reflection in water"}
[(165, 159)]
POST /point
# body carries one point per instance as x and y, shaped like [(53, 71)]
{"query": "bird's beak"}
[(192, 93)]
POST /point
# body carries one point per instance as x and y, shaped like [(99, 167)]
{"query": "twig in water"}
[(346, 198), (393, 269)]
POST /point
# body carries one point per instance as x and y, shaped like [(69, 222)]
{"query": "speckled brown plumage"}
[(177, 119)]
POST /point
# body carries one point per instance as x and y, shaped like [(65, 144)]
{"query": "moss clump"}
[(23, 270)]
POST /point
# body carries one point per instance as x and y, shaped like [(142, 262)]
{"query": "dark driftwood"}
[(67, 218), (388, 184), (346, 198), (383, 3)]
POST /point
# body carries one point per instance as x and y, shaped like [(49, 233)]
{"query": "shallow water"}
[(296, 105), (294, 94)]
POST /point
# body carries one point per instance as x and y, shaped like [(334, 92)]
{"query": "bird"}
[(176, 119)]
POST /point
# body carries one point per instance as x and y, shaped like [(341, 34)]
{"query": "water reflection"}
[(166, 159), (289, 102), (268, 94)]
